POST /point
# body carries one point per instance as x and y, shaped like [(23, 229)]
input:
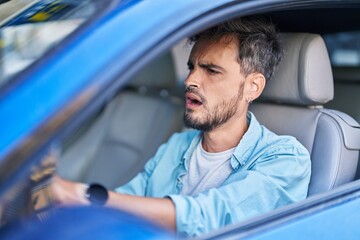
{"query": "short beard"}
[(217, 116)]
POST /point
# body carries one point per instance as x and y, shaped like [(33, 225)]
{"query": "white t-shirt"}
[(206, 170)]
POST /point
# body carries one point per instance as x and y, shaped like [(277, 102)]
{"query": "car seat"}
[(129, 130), (347, 91), (292, 104), (347, 94)]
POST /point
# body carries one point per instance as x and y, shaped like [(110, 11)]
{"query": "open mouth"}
[(193, 101)]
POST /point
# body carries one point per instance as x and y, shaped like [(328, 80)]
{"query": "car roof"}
[(320, 20)]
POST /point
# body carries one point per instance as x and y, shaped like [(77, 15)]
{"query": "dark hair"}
[(259, 47)]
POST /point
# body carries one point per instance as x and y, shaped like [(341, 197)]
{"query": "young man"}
[(230, 168)]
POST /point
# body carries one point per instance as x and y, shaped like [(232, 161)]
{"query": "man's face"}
[(215, 85)]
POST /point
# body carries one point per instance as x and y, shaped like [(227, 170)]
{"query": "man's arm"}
[(158, 210)]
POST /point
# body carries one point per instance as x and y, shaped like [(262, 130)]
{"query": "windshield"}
[(28, 28)]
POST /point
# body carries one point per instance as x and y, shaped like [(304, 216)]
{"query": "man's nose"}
[(193, 79)]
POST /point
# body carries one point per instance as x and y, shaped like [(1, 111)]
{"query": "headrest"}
[(304, 76), (159, 73)]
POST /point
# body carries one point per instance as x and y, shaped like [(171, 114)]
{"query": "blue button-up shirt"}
[(269, 171)]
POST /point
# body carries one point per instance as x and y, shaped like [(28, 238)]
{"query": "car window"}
[(344, 49), (344, 52), (181, 52), (34, 27)]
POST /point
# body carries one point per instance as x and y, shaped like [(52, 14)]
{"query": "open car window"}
[(35, 27)]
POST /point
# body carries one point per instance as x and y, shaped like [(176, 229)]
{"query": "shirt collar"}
[(191, 149), (248, 142), (243, 150)]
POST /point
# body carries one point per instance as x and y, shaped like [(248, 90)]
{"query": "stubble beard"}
[(215, 117)]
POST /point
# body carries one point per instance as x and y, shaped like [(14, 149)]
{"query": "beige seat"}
[(346, 91), (128, 132), (347, 94), (292, 104)]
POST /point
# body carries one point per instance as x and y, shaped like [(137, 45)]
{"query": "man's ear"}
[(257, 84)]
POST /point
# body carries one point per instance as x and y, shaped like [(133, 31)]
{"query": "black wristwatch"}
[(97, 194)]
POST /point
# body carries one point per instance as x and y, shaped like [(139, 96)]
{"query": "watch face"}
[(97, 194)]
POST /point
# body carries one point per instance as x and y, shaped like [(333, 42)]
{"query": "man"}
[(231, 168)]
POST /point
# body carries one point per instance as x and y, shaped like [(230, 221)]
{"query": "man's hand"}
[(158, 210), (64, 192)]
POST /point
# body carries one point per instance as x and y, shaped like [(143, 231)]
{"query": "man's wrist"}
[(96, 194)]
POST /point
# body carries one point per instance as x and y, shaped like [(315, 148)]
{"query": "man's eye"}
[(190, 66), (212, 71)]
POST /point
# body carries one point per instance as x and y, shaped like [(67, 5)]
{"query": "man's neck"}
[(226, 136)]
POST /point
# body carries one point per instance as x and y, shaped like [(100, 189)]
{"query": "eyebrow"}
[(207, 66), (210, 66)]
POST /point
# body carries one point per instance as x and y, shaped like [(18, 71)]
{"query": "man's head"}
[(259, 48), (229, 65)]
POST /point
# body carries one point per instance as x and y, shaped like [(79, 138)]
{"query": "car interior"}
[(298, 101), (311, 97), (128, 127), (292, 104)]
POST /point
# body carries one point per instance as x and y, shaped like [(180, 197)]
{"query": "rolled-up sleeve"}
[(271, 182)]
